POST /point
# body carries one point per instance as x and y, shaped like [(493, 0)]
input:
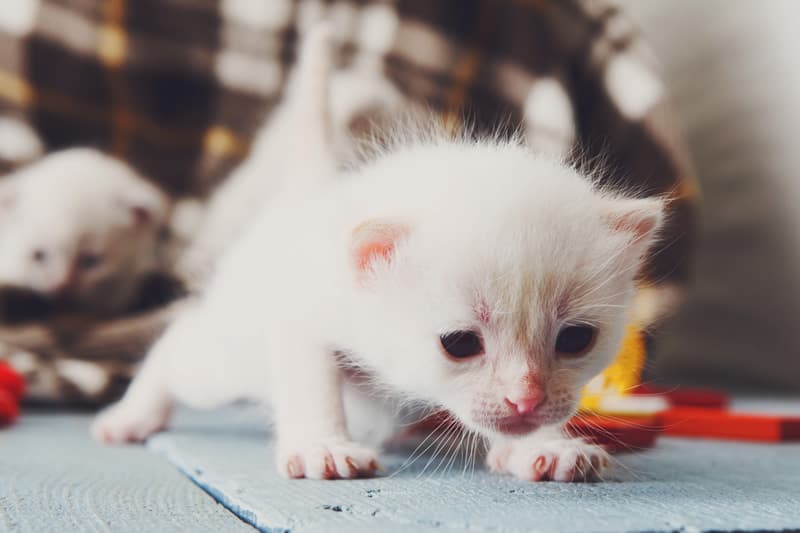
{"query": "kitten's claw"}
[(549, 460), (332, 459), (121, 423)]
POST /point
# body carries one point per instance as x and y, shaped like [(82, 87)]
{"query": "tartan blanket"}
[(177, 88)]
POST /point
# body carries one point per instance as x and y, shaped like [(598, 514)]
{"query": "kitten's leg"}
[(186, 364), (370, 419), (145, 408), (306, 397), (548, 455)]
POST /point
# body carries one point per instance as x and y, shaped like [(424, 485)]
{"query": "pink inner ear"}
[(375, 241), (371, 251), (639, 227), (141, 215), (638, 217)]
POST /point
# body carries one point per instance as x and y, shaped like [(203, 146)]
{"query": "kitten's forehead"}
[(538, 254), (509, 238), (530, 306)]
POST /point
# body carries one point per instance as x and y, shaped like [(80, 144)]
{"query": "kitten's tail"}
[(312, 143)]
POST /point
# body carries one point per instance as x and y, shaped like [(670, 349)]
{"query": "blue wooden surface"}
[(53, 477), (686, 485)]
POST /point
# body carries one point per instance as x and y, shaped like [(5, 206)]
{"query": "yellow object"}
[(621, 376), (112, 45)]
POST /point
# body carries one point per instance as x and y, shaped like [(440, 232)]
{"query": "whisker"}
[(412, 458), (440, 442)]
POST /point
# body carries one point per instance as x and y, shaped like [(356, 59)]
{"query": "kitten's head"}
[(505, 290), (75, 223)]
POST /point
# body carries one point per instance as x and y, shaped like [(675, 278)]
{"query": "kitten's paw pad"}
[(121, 423), (335, 459), (562, 460)]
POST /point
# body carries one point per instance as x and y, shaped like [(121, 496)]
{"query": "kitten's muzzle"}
[(515, 425), (514, 417)]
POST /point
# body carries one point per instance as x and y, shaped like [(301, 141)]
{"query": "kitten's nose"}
[(62, 283), (527, 403)]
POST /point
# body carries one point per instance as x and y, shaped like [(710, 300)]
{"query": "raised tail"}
[(309, 118)]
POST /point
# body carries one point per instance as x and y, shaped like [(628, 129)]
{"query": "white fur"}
[(70, 205), (485, 235)]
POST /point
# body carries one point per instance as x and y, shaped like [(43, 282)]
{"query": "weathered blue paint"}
[(53, 477), (686, 485)]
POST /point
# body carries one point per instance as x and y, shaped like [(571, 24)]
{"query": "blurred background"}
[(734, 80), (178, 90)]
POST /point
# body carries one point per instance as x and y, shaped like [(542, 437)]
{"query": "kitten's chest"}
[(370, 413)]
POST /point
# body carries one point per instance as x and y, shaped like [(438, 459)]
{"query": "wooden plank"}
[(53, 477), (681, 484)]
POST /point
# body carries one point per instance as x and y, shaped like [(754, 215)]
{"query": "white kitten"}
[(79, 225), (349, 95), (470, 275)]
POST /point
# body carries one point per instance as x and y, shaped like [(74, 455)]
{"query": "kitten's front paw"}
[(327, 459), (123, 423), (549, 460)]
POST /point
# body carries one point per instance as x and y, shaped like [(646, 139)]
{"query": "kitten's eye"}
[(574, 341), (39, 255), (462, 344), (87, 261)]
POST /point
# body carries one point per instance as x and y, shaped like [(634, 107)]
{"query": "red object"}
[(12, 388), (686, 397), (617, 434), (11, 381), (723, 424), (9, 407)]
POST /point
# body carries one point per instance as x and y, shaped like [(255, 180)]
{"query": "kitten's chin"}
[(515, 426), (511, 425)]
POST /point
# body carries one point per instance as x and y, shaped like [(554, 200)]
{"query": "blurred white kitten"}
[(467, 275), (81, 226), (351, 98)]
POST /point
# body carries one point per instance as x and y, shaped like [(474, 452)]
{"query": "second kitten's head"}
[(499, 286), (78, 224)]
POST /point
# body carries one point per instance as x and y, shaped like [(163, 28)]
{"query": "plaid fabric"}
[(178, 87)]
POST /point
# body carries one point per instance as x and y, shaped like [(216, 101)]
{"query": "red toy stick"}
[(686, 397), (722, 424)]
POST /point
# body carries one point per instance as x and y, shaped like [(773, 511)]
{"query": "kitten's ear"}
[(143, 214), (374, 242), (640, 218), (146, 208)]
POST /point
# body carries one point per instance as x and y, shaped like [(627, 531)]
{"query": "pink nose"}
[(61, 284), (525, 404)]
